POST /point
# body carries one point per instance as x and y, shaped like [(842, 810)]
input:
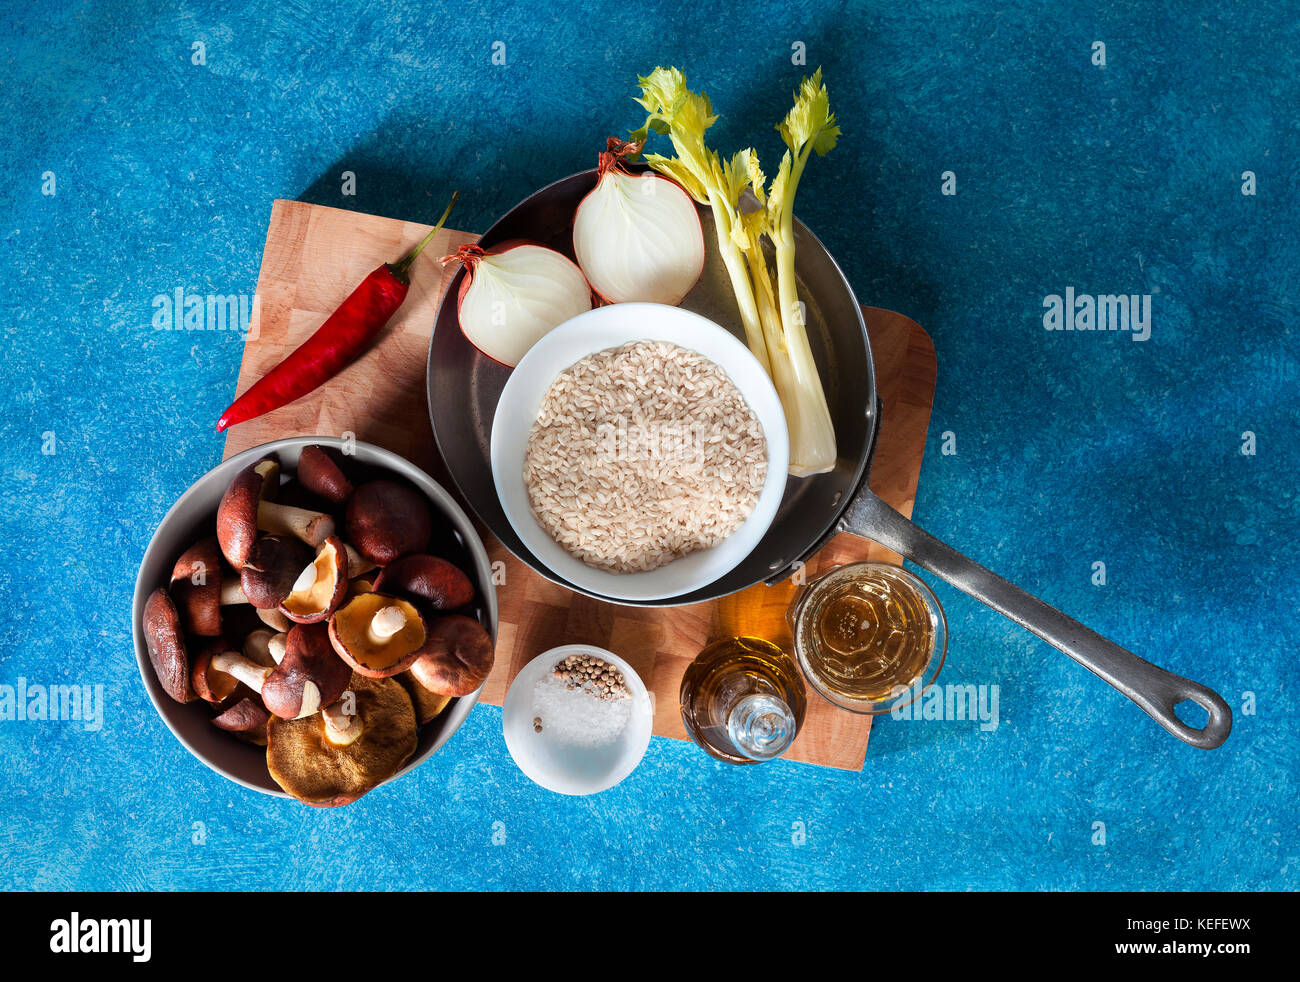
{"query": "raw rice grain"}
[(642, 454)]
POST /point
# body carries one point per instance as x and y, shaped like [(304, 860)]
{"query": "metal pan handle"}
[(1148, 685)]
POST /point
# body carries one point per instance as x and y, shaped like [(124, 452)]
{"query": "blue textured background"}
[(1071, 448)]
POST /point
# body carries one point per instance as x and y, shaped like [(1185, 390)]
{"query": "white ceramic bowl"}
[(194, 516), (567, 768), (609, 327)]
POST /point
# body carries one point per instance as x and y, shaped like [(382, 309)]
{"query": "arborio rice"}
[(642, 454)]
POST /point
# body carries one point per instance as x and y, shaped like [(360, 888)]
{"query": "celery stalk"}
[(808, 127), (684, 116), (773, 320), (737, 268)]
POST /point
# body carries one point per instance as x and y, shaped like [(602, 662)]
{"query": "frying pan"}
[(464, 385)]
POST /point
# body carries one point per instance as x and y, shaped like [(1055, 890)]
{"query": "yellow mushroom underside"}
[(353, 624), (317, 596), (307, 766)]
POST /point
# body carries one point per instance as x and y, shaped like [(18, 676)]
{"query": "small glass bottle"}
[(742, 700)]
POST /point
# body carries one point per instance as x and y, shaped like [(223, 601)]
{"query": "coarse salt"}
[(576, 716)]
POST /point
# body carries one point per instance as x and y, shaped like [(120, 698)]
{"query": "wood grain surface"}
[(315, 256)]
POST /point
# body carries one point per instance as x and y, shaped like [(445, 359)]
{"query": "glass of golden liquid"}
[(742, 700), (870, 637)]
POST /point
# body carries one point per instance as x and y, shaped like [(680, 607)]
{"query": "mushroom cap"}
[(431, 578), (210, 685), (386, 519), (196, 588), (349, 631), (272, 565), (428, 704), (165, 640), (246, 719), (456, 658), (321, 472), (309, 676), (320, 600), (304, 762), (237, 513)]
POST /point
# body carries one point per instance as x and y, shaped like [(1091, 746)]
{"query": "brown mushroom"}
[(246, 719), (386, 520), (229, 662), (200, 586), (456, 657), (320, 586), (272, 568), (428, 705), (332, 758), (321, 473), (244, 509), (307, 677), (211, 684), (165, 640), (442, 585), (378, 635)]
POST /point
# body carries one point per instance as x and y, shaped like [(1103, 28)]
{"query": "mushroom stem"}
[(312, 527), (341, 729), (357, 563), (310, 699), (257, 647), (386, 622), (306, 579), (266, 648), (269, 469), (250, 673), (272, 618), (232, 591)]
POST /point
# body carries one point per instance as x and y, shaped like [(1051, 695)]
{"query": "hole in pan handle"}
[(1148, 685)]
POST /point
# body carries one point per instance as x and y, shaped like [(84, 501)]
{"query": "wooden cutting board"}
[(314, 258)]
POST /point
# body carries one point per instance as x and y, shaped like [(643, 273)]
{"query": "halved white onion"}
[(638, 237), (509, 299)]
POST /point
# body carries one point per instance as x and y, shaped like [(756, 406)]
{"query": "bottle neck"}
[(761, 726)]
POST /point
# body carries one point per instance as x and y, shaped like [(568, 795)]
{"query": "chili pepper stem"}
[(403, 265)]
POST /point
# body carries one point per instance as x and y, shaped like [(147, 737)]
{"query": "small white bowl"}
[(568, 768), (609, 327)]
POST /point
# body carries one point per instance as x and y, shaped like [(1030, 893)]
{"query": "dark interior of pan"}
[(464, 387)]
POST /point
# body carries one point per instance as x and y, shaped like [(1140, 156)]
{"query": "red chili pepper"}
[(337, 343)]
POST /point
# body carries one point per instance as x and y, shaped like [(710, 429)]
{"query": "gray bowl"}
[(194, 516)]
